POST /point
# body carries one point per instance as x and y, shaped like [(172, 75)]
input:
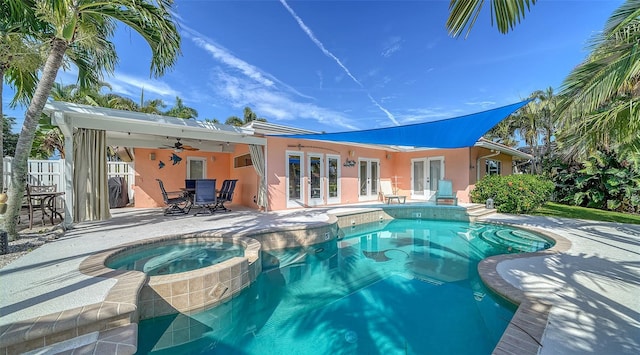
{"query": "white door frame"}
[(204, 167), (294, 202), (315, 193), (336, 199), (426, 193), (372, 183)]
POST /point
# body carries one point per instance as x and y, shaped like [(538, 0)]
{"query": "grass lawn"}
[(558, 210)]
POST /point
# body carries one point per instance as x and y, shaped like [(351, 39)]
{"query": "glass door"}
[(295, 188), (333, 179), (368, 179), (316, 173), (196, 168), (418, 179), (436, 172), (425, 173)]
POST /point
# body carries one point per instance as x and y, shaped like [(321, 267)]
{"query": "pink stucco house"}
[(273, 170)]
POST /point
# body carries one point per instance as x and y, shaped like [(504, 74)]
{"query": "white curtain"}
[(257, 158), (91, 197)]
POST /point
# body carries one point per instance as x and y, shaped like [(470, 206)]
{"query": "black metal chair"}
[(205, 195), (177, 201), (226, 194)]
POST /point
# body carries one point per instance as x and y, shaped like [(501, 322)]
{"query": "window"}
[(196, 168), (493, 167), (242, 161)]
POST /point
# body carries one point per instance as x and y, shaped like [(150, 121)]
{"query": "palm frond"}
[(505, 14)]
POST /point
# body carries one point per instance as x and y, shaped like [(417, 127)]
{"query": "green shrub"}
[(513, 193)]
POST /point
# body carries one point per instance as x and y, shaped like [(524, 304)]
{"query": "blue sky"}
[(344, 65)]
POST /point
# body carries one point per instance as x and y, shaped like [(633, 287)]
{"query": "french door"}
[(425, 173), (295, 187), (333, 179), (368, 179), (316, 174)]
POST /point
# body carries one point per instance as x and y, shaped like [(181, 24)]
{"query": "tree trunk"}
[(27, 134), (2, 131)]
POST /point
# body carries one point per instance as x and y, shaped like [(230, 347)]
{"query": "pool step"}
[(476, 211)]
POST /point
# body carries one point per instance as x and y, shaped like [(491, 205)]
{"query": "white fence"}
[(51, 172)]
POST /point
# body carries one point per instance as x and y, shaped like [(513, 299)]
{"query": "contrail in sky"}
[(326, 52)]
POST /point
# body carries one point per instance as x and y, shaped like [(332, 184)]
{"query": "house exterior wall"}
[(248, 180), (456, 169), (459, 167), (219, 166), (477, 152), (277, 149)]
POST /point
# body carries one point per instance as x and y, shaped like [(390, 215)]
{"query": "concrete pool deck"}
[(593, 286)]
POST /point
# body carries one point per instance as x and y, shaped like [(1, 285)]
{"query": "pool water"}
[(174, 257), (402, 287)]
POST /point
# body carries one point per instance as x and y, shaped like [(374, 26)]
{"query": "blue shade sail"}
[(457, 132)]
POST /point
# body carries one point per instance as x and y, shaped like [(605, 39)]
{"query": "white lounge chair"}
[(387, 193), (445, 195)]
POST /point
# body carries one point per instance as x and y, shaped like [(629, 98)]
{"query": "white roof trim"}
[(485, 143), (134, 126)]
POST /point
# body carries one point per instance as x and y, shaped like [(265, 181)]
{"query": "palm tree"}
[(20, 59), (248, 115), (601, 104), (234, 121), (81, 30), (181, 111), (504, 13)]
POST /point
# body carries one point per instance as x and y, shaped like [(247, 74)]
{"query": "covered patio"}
[(88, 131)]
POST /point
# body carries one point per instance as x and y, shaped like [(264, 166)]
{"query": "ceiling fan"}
[(178, 146)]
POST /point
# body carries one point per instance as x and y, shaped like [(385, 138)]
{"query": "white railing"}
[(122, 169), (51, 172)]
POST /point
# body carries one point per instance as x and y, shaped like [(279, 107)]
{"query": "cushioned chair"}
[(205, 195), (226, 194), (177, 202), (445, 195)]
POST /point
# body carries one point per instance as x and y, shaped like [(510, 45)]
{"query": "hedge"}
[(520, 193)]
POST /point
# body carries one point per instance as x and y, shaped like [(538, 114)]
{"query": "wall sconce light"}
[(388, 156), (351, 153), (213, 158), (152, 156)]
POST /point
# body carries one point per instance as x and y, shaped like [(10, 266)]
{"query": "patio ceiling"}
[(143, 130)]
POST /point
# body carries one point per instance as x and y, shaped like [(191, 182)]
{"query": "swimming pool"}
[(404, 286)]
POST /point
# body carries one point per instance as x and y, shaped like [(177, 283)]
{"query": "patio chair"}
[(177, 201), (205, 195), (226, 194), (387, 193), (445, 195), (38, 202)]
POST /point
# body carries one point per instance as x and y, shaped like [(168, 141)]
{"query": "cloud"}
[(326, 52), (481, 104), (391, 45), (225, 57), (230, 60), (273, 104), (428, 114), (123, 84)]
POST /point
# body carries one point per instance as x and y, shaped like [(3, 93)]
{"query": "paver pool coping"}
[(523, 335), (526, 329)]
